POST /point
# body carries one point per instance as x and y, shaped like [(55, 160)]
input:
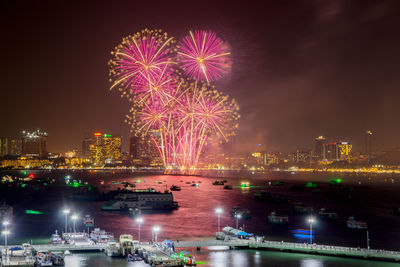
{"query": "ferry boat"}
[(278, 219), (329, 215), (244, 213), (101, 236), (142, 199), (43, 258), (112, 249), (302, 209), (17, 256), (355, 224), (56, 239), (175, 188)]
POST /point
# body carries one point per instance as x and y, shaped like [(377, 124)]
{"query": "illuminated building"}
[(368, 144), (111, 148), (34, 144), (105, 149), (344, 150), (143, 149), (320, 147), (87, 141), (10, 147), (303, 155)]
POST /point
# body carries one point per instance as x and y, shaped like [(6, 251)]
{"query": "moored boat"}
[(175, 188), (356, 224), (112, 249), (228, 187), (101, 236), (277, 219), (302, 209), (244, 213), (329, 215), (43, 258), (56, 239)]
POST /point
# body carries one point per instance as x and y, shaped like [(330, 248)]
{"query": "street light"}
[(311, 221), (74, 217), (238, 216), (66, 212), (156, 229), (139, 221), (218, 211)]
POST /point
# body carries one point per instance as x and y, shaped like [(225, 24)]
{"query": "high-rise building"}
[(320, 147), (105, 148), (145, 148), (87, 141), (368, 144), (34, 144), (343, 150), (331, 152)]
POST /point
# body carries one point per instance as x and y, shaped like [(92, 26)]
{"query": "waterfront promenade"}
[(338, 251)]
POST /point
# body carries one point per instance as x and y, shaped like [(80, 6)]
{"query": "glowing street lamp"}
[(218, 211), (66, 212), (238, 216), (74, 217), (139, 221), (156, 229), (311, 221), (5, 232)]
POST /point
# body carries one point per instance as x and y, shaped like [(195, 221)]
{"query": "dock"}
[(338, 251)]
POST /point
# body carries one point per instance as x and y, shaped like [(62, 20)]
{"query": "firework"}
[(179, 116), (203, 56), (139, 59)]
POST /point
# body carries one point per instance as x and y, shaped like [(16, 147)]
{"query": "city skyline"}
[(290, 87)]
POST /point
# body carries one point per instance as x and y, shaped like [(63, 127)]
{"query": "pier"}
[(338, 251), (156, 253)]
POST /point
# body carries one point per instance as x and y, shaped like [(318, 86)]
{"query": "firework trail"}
[(179, 115), (203, 56)]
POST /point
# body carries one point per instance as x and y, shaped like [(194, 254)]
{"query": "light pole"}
[(66, 212), (139, 221), (238, 216), (311, 221), (74, 217), (156, 229), (218, 211), (368, 240), (5, 232)]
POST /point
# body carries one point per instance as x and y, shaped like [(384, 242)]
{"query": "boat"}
[(88, 221), (101, 236), (112, 249), (56, 239), (195, 185), (329, 215), (126, 244), (142, 199), (244, 213), (228, 187), (133, 212), (262, 195), (302, 209), (57, 258), (43, 258), (17, 256), (277, 219), (175, 188), (218, 183), (355, 224)]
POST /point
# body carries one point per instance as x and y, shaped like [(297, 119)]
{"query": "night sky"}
[(300, 68)]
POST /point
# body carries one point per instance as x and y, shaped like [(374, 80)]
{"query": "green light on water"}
[(138, 181), (311, 185), (201, 262), (25, 173), (33, 212)]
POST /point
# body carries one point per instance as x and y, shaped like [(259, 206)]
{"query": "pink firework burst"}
[(139, 58), (204, 56)]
